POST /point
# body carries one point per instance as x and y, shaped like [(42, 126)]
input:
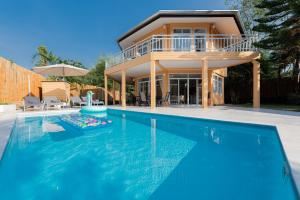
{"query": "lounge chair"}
[(52, 101), (30, 101), (75, 100)]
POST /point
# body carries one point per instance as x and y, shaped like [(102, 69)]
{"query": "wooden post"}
[(153, 84), (165, 85), (123, 89), (256, 84), (136, 88), (120, 94), (210, 87), (114, 92), (204, 84), (105, 92)]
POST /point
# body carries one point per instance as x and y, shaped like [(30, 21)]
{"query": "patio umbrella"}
[(60, 70)]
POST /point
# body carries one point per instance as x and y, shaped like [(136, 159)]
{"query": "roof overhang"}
[(227, 21)]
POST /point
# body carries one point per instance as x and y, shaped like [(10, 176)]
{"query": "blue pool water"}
[(144, 156)]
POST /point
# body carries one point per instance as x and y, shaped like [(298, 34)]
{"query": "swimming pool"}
[(144, 156)]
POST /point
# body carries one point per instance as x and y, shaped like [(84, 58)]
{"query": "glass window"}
[(157, 43), (182, 39), (217, 84), (178, 76), (196, 76), (143, 48), (158, 77), (200, 39), (220, 84)]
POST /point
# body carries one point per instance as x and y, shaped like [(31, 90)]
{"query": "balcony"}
[(185, 43)]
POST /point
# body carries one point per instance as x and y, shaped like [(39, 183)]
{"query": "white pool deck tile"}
[(287, 124)]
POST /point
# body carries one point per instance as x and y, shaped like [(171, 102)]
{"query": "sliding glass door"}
[(185, 89)]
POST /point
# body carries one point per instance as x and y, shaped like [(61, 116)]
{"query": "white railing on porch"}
[(185, 43)]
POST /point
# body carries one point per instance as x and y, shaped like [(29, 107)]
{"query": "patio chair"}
[(163, 100), (30, 101), (75, 100), (52, 101), (138, 101)]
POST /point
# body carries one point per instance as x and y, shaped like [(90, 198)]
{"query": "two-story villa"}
[(183, 56)]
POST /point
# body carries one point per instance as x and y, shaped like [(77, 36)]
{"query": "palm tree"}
[(43, 57)]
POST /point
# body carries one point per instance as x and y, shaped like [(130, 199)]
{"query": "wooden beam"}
[(161, 67), (106, 90), (114, 92), (165, 85), (256, 84), (153, 63), (124, 89), (204, 84)]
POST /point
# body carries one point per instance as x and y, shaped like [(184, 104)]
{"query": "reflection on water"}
[(127, 160)]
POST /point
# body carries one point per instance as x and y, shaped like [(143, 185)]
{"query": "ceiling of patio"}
[(144, 69)]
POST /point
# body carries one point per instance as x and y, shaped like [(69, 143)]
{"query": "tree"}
[(43, 57), (281, 32), (248, 11)]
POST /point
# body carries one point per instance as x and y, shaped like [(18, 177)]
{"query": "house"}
[(184, 55)]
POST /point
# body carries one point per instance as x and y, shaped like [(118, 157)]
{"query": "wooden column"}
[(123, 89), (105, 92), (204, 84), (120, 94), (165, 84), (256, 84), (210, 87), (136, 88), (153, 84), (114, 92)]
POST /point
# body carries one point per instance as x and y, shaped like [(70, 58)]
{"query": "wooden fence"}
[(16, 82), (99, 92)]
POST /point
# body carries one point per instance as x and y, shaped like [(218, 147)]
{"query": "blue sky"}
[(77, 29)]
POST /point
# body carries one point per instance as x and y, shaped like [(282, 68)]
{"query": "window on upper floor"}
[(217, 84), (143, 48), (157, 43), (182, 39), (200, 39)]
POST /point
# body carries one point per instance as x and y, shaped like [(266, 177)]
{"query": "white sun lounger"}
[(31, 101), (52, 101)]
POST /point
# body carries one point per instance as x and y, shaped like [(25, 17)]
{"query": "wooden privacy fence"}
[(99, 92), (16, 82)]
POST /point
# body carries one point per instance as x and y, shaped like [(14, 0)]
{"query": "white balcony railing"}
[(185, 43)]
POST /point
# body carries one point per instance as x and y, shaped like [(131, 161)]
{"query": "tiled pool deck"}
[(287, 123)]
